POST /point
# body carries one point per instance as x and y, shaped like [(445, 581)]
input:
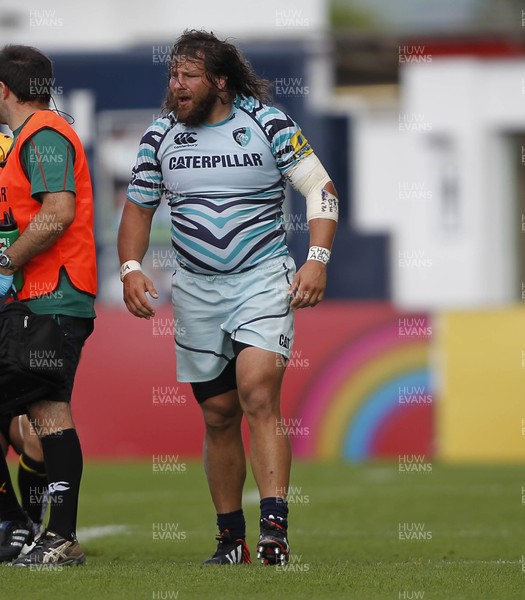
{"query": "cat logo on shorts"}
[(284, 341)]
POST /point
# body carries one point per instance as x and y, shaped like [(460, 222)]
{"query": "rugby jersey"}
[(223, 182)]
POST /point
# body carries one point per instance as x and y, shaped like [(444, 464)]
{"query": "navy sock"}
[(275, 509), (234, 522)]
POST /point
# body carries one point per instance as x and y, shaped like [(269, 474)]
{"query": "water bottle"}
[(9, 232)]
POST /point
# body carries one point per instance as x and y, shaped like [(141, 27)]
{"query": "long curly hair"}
[(221, 59)]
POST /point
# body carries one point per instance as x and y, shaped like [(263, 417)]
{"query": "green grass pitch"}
[(375, 531)]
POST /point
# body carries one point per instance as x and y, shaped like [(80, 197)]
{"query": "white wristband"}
[(318, 253), (128, 266)]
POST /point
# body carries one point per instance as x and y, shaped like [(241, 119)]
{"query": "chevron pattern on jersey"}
[(223, 182)]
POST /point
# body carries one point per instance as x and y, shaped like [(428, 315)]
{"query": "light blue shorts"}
[(212, 310)]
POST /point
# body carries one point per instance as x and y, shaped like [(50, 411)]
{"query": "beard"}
[(200, 111)]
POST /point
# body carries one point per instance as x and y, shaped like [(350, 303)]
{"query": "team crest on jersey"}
[(242, 136), (186, 138)]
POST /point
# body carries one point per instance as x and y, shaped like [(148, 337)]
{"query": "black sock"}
[(63, 458), (32, 483), (275, 509), (234, 522), (10, 509)]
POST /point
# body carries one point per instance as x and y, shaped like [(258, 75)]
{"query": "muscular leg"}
[(259, 379), (225, 466), (224, 460)]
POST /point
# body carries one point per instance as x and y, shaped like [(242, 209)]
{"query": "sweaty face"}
[(191, 96)]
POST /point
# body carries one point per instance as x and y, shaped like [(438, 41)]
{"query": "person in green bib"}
[(45, 182)]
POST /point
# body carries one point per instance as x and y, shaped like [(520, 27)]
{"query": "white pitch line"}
[(86, 534)]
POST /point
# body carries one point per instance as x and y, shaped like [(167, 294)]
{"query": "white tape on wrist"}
[(128, 266), (319, 253)]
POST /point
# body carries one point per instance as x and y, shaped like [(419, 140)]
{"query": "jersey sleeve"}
[(146, 187), (48, 159), (287, 141), (289, 146)]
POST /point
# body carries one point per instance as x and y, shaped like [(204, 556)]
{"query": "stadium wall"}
[(357, 386), (365, 381)]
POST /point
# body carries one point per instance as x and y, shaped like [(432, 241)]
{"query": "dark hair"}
[(221, 59), (27, 73)]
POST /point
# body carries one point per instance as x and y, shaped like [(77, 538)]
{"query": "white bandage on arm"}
[(309, 177)]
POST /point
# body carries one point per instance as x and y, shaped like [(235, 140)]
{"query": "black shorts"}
[(225, 382), (76, 331)]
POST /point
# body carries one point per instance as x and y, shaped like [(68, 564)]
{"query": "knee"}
[(260, 404), (218, 418)]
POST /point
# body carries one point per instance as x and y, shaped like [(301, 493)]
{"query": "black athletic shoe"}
[(13, 536), (273, 547), (230, 551), (52, 550)]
